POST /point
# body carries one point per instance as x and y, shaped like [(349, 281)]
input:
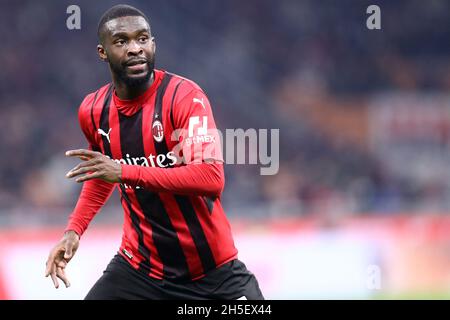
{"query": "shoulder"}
[(92, 103), (91, 100), (184, 86)]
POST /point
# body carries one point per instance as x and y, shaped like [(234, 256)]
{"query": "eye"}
[(143, 39), (119, 42)]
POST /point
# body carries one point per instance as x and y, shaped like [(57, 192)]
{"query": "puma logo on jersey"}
[(199, 101), (103, 133)]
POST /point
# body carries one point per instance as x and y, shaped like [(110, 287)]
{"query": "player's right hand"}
[(60, 255)]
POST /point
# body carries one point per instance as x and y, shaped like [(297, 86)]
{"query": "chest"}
[(144, 138)]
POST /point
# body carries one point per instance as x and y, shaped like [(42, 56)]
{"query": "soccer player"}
[(146, 131)]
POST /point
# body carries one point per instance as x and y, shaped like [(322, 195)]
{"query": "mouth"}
[(137, 65)]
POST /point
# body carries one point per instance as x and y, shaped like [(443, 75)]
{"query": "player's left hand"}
[(95, 165)]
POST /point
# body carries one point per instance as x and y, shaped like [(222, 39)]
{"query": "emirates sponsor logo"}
[(161, 160)]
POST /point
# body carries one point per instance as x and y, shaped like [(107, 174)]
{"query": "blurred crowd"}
[(308, 68)]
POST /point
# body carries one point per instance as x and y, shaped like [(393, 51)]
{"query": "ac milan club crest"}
[(157, 131)]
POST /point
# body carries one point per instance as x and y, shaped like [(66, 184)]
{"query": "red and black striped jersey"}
[(174, 227)]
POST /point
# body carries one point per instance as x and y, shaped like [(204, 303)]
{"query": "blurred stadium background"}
[(364, 119)]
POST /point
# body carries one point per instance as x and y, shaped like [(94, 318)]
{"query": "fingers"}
[(77, 172), (87, 166), (56, 270), (60, 273), (57, 261), (84, 164), (82, 153), (50, 262), (90, 176), (53, 276), (51, 267), (48, 268), (62, 264)]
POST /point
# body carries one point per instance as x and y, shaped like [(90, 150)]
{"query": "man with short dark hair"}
[(152, 134)]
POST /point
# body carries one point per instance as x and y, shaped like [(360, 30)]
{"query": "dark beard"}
[(121, 73)]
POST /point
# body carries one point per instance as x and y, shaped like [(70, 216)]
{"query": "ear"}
[(153, 45), (102, 53)]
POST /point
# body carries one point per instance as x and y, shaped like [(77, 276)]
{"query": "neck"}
[(125, 92)]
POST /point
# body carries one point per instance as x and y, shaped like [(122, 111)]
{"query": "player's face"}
[(130, 49)]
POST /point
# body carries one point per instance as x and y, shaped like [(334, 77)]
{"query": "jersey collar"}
[(130, 107)]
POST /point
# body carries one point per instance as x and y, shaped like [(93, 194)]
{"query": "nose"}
[(134, 49)]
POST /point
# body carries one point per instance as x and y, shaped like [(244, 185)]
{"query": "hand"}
[(60, 256), (95, 165)]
